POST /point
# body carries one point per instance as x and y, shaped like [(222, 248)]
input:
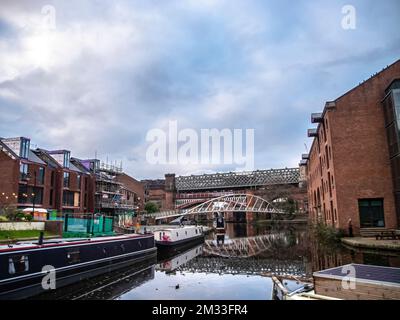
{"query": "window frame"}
[(371, 221), (24, 259)]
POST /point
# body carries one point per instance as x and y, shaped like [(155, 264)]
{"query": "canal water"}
[(234, 266)]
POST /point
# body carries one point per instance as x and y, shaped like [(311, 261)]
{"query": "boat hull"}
[(166, 252), (96, 259), (170, 244)]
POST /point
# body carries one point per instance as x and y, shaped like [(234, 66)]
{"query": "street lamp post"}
[(34, 194)]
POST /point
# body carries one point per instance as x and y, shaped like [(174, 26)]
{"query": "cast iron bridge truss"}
[(224, 204), (214, 264), (238, 179)]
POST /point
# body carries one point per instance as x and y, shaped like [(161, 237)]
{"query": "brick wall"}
[(356, 149), (9, 173)]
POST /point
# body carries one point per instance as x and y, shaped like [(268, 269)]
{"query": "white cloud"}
[(110, 72)]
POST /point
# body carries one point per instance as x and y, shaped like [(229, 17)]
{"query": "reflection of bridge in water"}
[(250, 255), (242, 247), (209, 264)]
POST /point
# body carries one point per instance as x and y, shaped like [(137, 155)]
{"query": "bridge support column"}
[(249, 217)]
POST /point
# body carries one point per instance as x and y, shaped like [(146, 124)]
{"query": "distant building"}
[(154, 191), (353, 168), (134, 186), (184, 192), (115, 191)]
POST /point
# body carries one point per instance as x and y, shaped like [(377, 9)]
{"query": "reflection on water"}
[(236, 265), (107, 286), (172, 263)]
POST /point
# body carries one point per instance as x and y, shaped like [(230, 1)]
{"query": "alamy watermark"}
[(49, 17), (205, 147), (49, 280), (349, 20), (46, 21), (349, 281)]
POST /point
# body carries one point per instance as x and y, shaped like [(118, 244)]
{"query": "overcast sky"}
[(108, 72)]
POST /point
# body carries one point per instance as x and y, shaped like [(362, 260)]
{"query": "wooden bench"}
[(389, 235)]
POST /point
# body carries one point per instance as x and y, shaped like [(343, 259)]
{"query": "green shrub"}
[(3, 219), (151, 207), (22, 216), (326, 234)]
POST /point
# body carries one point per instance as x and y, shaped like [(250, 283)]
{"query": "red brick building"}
[(53, 180), (353, 168), (43, 179), (135, 187)]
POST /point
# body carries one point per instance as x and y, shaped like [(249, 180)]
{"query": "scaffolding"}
[(111, 195)]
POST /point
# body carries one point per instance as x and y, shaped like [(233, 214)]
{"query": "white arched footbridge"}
[(223, 204)]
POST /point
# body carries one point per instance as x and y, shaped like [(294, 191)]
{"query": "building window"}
[(22, 193), (30, 194), (327, 156), (41, 175), (78, 179), (53, 180), (371, 213), (23, 171), (85, 200), (73, 256), (68, 198), (37, 195), (51, 198), (392, 136), (25, 145), (66, 161), (66, 179), (330, 184)]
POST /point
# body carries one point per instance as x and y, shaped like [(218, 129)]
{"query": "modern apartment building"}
[(53, 180), (42, 179)]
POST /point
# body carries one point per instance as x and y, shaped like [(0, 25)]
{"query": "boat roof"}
[(62, 242), (173, 228), (364, 272)]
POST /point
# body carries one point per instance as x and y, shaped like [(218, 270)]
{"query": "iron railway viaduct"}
[(278, 187)]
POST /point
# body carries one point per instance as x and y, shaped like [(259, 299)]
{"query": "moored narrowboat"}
[(24, 265), (171, 236)]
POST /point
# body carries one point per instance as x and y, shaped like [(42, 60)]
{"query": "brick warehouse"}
[(353, 167), (54, 180)]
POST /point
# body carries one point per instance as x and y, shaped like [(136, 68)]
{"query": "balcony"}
[(303, 162), (116, 204), (305, 156), (317, 118), (330, 105), (311, 133)]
